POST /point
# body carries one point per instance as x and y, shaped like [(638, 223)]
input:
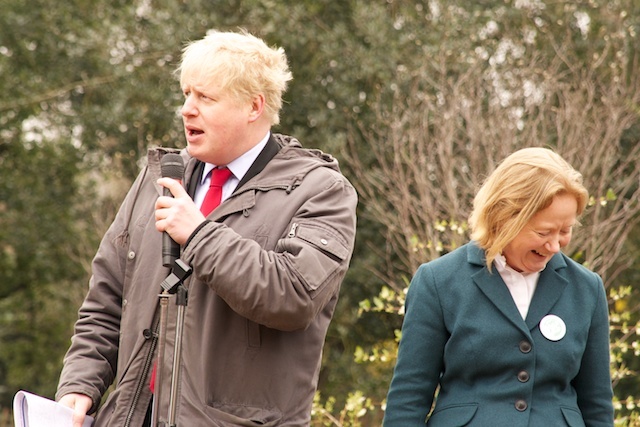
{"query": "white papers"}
[(30, 410)]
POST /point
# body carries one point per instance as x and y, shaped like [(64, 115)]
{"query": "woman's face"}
[(545, 234)]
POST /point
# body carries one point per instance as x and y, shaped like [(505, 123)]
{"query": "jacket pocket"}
[(453, 416), (319, 253), (243, 415), (572, 416)]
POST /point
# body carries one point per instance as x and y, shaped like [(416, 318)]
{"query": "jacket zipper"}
[(143, 379), (292, 232)]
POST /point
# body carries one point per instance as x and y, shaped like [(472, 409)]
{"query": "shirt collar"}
[(501, 265), (241, 165)]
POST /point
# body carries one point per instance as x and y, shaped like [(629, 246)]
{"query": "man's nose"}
[(188, 107)]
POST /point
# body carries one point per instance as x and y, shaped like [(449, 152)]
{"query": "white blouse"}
[(521, 286)]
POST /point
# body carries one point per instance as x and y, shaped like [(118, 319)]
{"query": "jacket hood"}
[(306, 159)]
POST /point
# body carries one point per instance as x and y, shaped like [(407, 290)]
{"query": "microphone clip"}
[(179, 273)]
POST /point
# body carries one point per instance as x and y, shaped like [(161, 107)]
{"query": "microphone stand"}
[(173, 284)]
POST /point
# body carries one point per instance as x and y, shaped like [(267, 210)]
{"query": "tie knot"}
[(219, 176)]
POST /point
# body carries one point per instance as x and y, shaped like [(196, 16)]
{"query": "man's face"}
[(216, 124)]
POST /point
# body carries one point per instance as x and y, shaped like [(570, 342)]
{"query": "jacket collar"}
[(267, 153), (278, 157), (551, 285)]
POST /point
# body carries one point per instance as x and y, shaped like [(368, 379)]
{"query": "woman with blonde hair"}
[(507, 330)]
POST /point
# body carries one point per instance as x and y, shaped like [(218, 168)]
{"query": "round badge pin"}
[(552, 327)]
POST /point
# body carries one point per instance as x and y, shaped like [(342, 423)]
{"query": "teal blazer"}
[(463, 332)]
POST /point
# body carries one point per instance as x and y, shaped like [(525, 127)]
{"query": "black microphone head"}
[(172, 166)]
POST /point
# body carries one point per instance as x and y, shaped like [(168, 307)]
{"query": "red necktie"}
[(213, 197)]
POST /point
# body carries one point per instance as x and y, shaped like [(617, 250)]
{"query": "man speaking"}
[(268, 252)]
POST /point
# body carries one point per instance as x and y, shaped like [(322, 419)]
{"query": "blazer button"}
[(523, 376), (525, 346), (521, 405)]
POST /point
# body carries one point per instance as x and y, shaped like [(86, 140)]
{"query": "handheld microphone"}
[(171, 166)]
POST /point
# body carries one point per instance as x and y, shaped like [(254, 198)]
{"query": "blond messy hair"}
[(241, 64), (523, 184)]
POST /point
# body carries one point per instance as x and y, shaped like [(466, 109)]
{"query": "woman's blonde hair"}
[(523, 184), (241, 64)]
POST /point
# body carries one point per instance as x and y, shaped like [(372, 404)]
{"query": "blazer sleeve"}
[(420, 354), (593, 382)]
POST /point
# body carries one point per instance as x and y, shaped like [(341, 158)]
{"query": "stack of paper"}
[(30, 410)]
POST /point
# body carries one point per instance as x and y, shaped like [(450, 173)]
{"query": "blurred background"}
[(418, 99)]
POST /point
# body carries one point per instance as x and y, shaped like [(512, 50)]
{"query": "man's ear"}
[(257, 107)]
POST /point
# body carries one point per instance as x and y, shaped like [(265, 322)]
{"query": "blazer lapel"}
[(551, 285), (492, 285)]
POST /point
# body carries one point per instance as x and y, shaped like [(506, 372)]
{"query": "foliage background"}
[(418, 98)]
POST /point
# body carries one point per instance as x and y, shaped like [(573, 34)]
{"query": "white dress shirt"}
[(238, 168)]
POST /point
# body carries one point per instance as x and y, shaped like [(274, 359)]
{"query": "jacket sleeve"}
[(420, 355), (90, 363), (284, 288), (593, 382)]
